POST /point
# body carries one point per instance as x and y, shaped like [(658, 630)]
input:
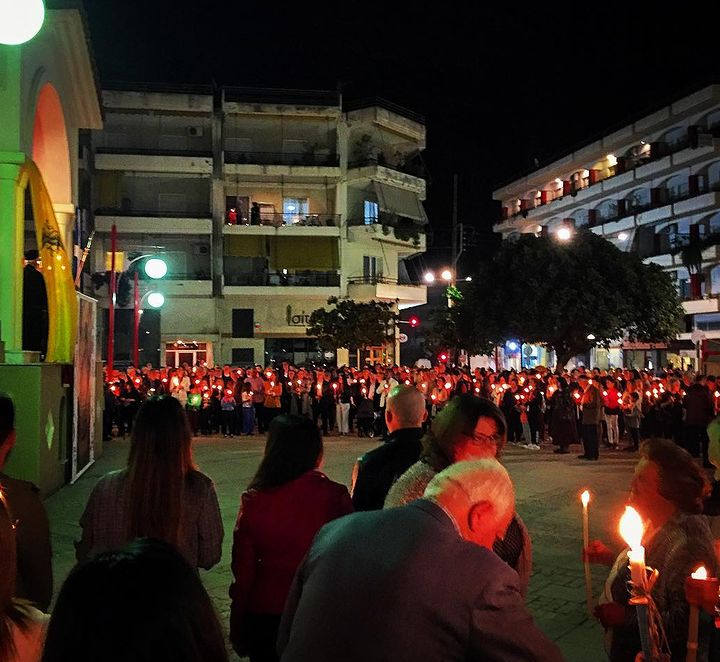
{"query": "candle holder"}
[(652, 634), (701, 592)]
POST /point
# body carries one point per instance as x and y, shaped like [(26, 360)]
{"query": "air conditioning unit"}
[(195, 131)]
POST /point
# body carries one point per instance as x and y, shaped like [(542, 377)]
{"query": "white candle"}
[(631, 529), (585, 498)]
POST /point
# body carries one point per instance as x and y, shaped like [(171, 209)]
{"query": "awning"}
[(399, 201), (312, 253)]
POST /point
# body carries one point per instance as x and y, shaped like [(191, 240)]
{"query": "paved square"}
[(547, 488)]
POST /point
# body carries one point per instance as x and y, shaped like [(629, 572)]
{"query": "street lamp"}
[(446, 275), (20, 20), (564, 234), (429, 277), (155, 300)]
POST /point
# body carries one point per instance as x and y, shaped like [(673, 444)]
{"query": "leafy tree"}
[(539, 290), (351, 324)]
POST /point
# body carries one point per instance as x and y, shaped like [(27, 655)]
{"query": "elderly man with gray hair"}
[(376, 471), (417, 583)]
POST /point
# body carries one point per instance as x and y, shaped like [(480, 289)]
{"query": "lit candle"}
[(701, 592), (585, 499), (448, 385), (631, 529)]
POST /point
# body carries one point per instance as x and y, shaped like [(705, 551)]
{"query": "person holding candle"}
[(667, 491), (563, 418), (468, 428), (273, 391)]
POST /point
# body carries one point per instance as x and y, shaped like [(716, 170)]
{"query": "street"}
[(547, 489)]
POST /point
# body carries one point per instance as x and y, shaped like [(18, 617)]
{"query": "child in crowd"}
[(227, 405), (248, 411)]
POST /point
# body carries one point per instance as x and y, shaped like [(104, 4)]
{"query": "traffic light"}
[(414, 321)]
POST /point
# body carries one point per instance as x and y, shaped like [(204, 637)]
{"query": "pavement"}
[(547, 493)]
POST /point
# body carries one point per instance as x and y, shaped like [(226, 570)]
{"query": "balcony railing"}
[(194, 275), (281, 158), (280, 279), (414, 168), (384, 280), (660, 151), (289, 220), (156, 151), (151, 213)]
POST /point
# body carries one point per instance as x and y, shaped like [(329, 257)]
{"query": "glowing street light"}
[(155, 267), (155, 299), (429, 277), (564, 234), (446, 274), (20, 20)]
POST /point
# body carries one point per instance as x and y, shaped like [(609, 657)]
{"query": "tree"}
[(539, 290), (351, 325)]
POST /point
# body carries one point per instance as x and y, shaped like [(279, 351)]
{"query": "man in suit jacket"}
[(378, 469), (418, 583)]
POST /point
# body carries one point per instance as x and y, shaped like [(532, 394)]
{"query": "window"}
[(370, 212), (243, 356), (372, 268), (243, 323), (295, 210)]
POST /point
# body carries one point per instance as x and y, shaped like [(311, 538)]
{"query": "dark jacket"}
[(698, 405), (379, 468), (402, 585)]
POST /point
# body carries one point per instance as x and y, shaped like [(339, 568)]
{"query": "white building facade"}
[(264, 203), (647, 187)]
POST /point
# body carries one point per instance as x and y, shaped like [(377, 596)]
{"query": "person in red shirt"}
[(285, 505)]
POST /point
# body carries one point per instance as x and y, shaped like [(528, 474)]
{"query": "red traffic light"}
[(414, 321)]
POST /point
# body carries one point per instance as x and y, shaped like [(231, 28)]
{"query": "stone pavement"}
[(547, 489)]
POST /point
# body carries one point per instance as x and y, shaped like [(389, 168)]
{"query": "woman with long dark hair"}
[(21, 625), (287, 502), (161, 494), (468, 428), (143, 602)]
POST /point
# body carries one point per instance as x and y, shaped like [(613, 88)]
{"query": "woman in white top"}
[(22, 627), (179, 386)]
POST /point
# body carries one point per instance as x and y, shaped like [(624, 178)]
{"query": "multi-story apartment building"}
[(652, 186), (264, 203)]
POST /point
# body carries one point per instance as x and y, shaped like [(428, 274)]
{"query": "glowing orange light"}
[(631, 528), (700, 573)]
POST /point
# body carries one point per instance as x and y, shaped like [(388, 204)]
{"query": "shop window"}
[(243, 323)]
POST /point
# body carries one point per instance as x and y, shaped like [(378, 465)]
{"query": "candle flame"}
[(585, 498), (700, 573), (631, 527)]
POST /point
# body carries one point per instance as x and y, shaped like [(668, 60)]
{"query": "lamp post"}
[(155, 300), (155, 268)]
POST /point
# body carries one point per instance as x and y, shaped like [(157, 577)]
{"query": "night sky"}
[(499, 88)]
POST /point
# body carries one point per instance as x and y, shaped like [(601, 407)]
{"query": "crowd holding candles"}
[(595, 407)]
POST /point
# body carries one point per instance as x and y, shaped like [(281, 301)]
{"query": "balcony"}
[(413, 167), (405, 234), (152, 221), (311, 159), (699, 306), (284, 278), (144, 159), (365, 288), (276, 220), (636, 168)]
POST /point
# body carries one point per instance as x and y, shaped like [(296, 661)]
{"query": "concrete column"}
[(11, 257), (65, 215)]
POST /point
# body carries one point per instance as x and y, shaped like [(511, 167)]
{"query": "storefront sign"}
[(296, 319)]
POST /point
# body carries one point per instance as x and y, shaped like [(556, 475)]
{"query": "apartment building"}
[(263, 203), (652, 187)]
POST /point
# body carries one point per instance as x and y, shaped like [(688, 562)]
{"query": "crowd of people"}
[(425, 557), (594, 407)]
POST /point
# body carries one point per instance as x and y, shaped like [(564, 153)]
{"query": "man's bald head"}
[(405, 408)]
